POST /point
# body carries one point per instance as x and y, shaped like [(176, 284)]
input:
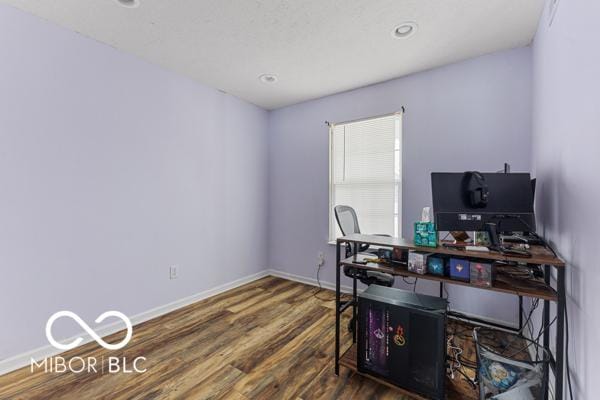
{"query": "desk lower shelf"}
[(541, 291)]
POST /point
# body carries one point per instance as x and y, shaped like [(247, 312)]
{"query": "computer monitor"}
[(509, 204)]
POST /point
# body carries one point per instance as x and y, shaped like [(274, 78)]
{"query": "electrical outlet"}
[(320, 259), (174, 272)]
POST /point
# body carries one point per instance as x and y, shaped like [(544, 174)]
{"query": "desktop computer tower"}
[(402, 339)]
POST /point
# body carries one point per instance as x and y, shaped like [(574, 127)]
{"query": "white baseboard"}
[(348, 289), (24, 359), (485, 318), (308, 281)]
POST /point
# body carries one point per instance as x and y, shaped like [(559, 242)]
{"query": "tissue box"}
[(417, 262), (482, 273), (425, 234), (436, 265), (459, 269)]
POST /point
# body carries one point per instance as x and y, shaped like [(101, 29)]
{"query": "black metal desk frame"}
[(557, 361)]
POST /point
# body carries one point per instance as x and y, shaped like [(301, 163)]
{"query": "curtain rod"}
[(402, 111)]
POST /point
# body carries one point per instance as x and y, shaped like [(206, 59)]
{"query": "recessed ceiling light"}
[(129, 3), (405, 30), (268, 78)]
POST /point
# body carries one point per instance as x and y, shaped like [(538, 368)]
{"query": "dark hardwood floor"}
[(270, 339)]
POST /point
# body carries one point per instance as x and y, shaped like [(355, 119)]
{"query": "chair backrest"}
[(346, 219)]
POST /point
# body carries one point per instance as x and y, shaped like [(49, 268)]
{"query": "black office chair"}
[(348, 223)]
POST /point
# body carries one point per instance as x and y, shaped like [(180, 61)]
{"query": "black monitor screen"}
[(509, 205)]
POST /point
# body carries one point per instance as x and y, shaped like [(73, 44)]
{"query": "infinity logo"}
[(89, 330)]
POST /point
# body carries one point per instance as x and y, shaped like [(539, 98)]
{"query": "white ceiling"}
[(315, 47)]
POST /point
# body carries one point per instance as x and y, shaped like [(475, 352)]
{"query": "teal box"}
[(436, 265), (425, 234)]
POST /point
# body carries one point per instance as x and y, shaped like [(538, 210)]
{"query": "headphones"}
[(476, 189)]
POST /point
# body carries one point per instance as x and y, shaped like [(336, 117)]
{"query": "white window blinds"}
[(365, 160)]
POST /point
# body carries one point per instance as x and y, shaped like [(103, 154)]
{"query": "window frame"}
[(398, 159)]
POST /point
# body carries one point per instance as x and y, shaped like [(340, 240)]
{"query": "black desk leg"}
[(521, 314), (441, 290), (337, 308), (546, 321), (354, 304), (560, 333)]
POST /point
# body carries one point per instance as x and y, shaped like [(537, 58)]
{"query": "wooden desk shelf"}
[(542, 291), (540, 254)]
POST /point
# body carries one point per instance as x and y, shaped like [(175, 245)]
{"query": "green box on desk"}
[(425, 234)]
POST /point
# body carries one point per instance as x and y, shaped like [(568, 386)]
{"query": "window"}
[(365, 173)]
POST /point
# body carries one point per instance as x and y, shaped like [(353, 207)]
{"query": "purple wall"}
[(111, 170), (470, 115), (566, 159)]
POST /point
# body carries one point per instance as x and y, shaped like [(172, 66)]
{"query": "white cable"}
[(457, 351)]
